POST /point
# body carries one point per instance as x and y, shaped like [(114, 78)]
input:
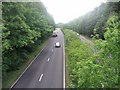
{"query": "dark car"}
[(54, 34)]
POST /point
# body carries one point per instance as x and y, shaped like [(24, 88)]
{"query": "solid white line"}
[(27, 67), (48, 59), (40, 77), (63, 63)]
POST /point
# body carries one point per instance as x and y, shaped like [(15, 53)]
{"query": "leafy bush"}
[(24, 25), (94, 70)]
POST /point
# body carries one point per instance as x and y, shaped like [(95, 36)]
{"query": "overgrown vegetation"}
[(99, 69), (94, 22), (94, 70), (25, 26)]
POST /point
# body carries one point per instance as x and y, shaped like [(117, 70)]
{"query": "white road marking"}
[(27, 68), (40, 77), (63, 64), (48, 59), (52, 50)]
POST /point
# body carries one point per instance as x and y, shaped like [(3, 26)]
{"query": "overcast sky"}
[(67, 10)]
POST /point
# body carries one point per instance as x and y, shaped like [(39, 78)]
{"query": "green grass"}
[(86, 69), (75, 51), (12, 76)]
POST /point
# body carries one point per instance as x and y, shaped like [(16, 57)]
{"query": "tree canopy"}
[(94, 22), (24, 23)]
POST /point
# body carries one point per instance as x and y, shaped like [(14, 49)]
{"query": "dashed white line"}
[(52, 50), (48, 59), (40, 77), (27, 68)]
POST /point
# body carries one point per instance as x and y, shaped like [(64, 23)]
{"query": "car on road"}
[(54, 34), (77, 34), (57, 44)]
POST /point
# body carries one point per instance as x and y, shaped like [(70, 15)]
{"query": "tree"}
[(24, 24)]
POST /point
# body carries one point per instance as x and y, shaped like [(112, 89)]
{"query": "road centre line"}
[(40, 77), (52, 50), (48, 59), (27, 67)]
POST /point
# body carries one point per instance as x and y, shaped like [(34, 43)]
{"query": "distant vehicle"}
[(77, 33), (54, 34), (57, 44)]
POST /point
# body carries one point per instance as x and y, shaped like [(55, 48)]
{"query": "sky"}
[(64, 11)]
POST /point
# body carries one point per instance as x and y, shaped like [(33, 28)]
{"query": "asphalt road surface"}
[(46, 71), (83, 39)]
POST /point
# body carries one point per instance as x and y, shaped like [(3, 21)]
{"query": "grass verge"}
[(12, 76), (75, 52), (87, 69)]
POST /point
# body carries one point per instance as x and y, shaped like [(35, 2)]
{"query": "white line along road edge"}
[(40, 77), (63, 63), (28, 66)]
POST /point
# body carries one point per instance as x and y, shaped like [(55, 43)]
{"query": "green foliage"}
[(94, 20), (24, 25), (94, 70), (101, 68)]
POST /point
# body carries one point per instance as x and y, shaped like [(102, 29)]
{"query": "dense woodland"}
[(24, 25), (27, 23), (94, 22), (98, 68)]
